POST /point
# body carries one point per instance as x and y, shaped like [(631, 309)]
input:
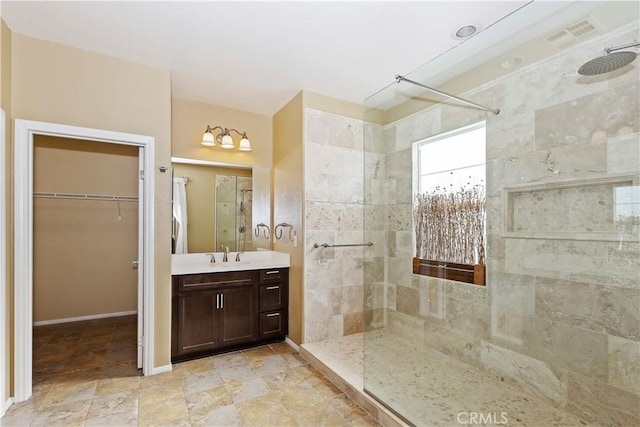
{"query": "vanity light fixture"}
[(224, 138)]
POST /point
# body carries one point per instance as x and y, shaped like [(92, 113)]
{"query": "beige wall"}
[(333, 105), (189, 120), (60, 84), (288, 191), (5, 69), (5, 104), (201, 206), (83, 249)]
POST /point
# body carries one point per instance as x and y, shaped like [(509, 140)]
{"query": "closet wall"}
[(83, 249)]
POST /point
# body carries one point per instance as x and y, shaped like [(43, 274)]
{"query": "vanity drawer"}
[(271, 297), (193, 282), (273, 275), (272, 324)]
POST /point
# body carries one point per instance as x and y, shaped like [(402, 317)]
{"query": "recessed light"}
[(466, 31), (463, 32)]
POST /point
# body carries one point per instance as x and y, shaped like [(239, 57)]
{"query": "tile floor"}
[(85, 374)]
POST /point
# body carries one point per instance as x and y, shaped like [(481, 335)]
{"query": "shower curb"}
[(379, 412)]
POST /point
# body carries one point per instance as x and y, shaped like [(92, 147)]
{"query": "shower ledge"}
[(347, 375)]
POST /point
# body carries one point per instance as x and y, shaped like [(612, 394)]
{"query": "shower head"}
[(606, 63), (609, 61)]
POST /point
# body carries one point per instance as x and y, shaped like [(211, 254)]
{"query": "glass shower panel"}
[(553, 337)]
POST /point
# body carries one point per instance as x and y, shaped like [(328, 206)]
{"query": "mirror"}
[(220, 205)]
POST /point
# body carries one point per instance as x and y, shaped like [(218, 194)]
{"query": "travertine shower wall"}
[(560, 314), (334, 214)]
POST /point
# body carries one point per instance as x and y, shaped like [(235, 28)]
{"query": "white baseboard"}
[(6, 406), (292, 344), (81, 318), (162, 369)]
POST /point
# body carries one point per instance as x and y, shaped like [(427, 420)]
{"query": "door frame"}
[(4, 369), (25, 130)]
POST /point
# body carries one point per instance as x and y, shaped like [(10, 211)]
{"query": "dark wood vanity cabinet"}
[(216, 312)]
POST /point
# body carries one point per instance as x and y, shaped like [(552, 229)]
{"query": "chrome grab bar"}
[(326, 245)]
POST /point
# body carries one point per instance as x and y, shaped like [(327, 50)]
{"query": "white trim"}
[(81, 318), (161, 369), (23, 252), (186, 161), (292, 344), (3, 265)]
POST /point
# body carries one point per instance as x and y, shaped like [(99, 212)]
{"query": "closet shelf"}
[(76, 196)]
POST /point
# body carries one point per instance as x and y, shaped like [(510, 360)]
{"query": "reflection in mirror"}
[(233, 209), (207, 222)]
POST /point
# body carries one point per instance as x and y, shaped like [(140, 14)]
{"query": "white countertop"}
[(200, 262)]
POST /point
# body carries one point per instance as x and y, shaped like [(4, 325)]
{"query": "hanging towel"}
[(180, 215)]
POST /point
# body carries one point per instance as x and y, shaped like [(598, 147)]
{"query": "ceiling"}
[(255, 56)]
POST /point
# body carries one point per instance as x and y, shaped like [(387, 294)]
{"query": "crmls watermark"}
[(483, 418)]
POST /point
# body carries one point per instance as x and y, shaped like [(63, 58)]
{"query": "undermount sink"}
[(200, 262)]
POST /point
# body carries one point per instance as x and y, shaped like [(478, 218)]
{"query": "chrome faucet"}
[(238, 257), (225, 257), (212, 258)]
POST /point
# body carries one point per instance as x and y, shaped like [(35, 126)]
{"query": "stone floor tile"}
[(248, 389), (222, 416), (200, 404), (158, 392), (69, 393), (125, 401), (114, 419), (108, 386), (194, 366), (66, 415), (282, 348), (89, 379), (172, 411)]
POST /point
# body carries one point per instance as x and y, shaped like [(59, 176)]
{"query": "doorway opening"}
[(85, 251), (25, 136)]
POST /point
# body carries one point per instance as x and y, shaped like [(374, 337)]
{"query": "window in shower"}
[(449, 207), (627, 210)]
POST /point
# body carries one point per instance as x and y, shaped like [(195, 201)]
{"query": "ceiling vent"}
[(574, 33)]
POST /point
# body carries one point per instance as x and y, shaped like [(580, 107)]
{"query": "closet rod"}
[(104, 197)]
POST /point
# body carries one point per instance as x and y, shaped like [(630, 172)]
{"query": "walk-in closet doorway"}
[(26, 134)]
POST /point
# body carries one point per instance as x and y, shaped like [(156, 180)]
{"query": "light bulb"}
[(207, 140), (227, 142), (245, 144)]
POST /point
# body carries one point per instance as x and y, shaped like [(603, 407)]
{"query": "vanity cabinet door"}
[(237, 315), (197, 329)]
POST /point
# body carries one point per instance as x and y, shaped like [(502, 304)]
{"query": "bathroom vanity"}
[(223, 306)]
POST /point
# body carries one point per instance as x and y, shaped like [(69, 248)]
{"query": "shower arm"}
[(608, 50), (495, 111)]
